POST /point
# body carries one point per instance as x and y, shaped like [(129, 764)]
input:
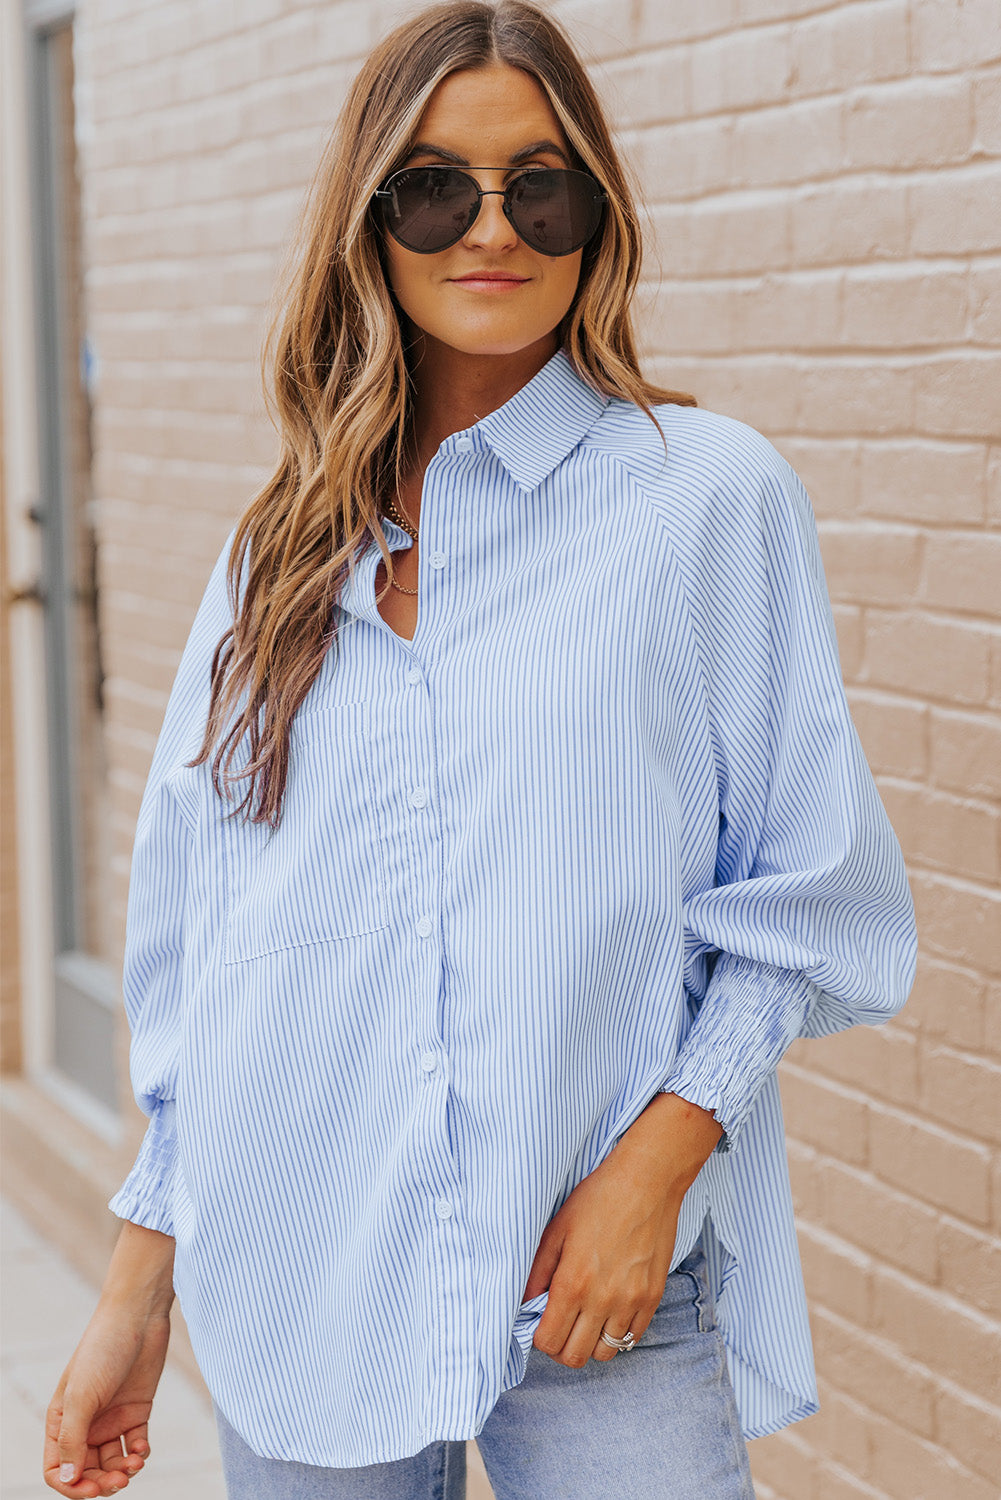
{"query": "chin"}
[(482, 338)]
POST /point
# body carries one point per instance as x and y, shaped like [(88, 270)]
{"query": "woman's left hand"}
[(606, 1253)]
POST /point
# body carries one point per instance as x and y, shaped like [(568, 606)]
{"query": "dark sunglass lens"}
[(429, 208), (556, 212)]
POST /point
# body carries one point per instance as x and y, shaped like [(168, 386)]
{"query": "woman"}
[(458, 1030)]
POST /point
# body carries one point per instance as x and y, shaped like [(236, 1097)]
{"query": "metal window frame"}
[(79, 979)]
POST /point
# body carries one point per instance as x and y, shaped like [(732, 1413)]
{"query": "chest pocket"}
[(320, 876)]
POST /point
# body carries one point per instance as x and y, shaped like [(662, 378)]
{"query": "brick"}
[(787, 312), (883, 1059), (829, 468), (687, 159), (966, 752), (794, 141), (969, 1425), (659, 24), (842, 1426), (854, 395), (600, 29), (919, 122), (922, 481), (897, 307), (837, 1276), (837, 50), (947, 1003), (825, 1114), (959, 396), (929, 1325), (937, 1166), (837, 223), (985, 304), (892, 1226), (992, 1020), (953, 213), (873, 1370), (687, 316), (804, 1177), (943, 831), (951, 34), (987, 111), (958, 920), (893, 731), (871, 562), (347, 29), (971, 1266), (835, 1483), (994, 699), (634, 93), (785, 1461), (770, 10), (720, 238), (929, 656), (963, 1090), (909, 1468), (850, 625), (740, 69)]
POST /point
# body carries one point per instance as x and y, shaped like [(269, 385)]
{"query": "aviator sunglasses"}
[(427, 209)]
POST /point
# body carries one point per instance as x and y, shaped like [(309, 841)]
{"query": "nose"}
[(491, 229)]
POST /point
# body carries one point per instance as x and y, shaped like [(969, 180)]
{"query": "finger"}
[(71, 1451), (616, 1328), (110, 1455), (136, 1447), (557, 1321), (108, 1482), (547, 1258), (83, 1487)]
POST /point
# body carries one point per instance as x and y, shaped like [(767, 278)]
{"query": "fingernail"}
[(66, 1472)]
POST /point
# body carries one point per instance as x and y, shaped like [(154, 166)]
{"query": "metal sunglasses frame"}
[(384, 193)]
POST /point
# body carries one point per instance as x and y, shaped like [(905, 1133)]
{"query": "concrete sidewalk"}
[(44, 1307)]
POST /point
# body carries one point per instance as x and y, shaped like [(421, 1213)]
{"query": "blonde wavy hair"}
[(342, 395)]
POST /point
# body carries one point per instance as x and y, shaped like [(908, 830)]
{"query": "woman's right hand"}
[(105, 1393), (104, 1396)]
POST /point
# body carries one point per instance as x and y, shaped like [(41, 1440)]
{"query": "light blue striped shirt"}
[(602, 828)]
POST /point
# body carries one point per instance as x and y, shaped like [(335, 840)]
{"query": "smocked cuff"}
[(750, 1014), (147, 1194)]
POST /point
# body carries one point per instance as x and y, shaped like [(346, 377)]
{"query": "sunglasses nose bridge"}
[(477, 218)]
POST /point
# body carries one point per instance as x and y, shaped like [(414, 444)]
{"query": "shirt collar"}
[(533, 432)]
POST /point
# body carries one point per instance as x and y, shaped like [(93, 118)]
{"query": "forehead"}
[(488, 114)]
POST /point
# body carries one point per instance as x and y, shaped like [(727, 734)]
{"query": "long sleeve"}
[(811, 918), (153, 961)]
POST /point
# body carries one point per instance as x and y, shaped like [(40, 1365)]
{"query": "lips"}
[(491, 276)]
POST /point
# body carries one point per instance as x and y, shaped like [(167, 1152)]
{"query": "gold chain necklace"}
[(401, 520)]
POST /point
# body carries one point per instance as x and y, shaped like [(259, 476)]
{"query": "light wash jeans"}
[(658, 1421)]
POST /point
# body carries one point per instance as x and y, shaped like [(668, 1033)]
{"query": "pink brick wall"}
[(825, 263)]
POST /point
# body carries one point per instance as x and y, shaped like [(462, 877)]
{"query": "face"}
[(490, 293)]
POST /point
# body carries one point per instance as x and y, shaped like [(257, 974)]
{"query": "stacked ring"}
[(625, 1342)]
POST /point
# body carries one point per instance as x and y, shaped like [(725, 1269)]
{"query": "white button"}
[(437, 559), (463, 445), (424, 927), (429, 1062), (444, 1208), (418, 797), (413, 674)]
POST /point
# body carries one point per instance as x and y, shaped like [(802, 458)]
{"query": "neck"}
[(452, 390)]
